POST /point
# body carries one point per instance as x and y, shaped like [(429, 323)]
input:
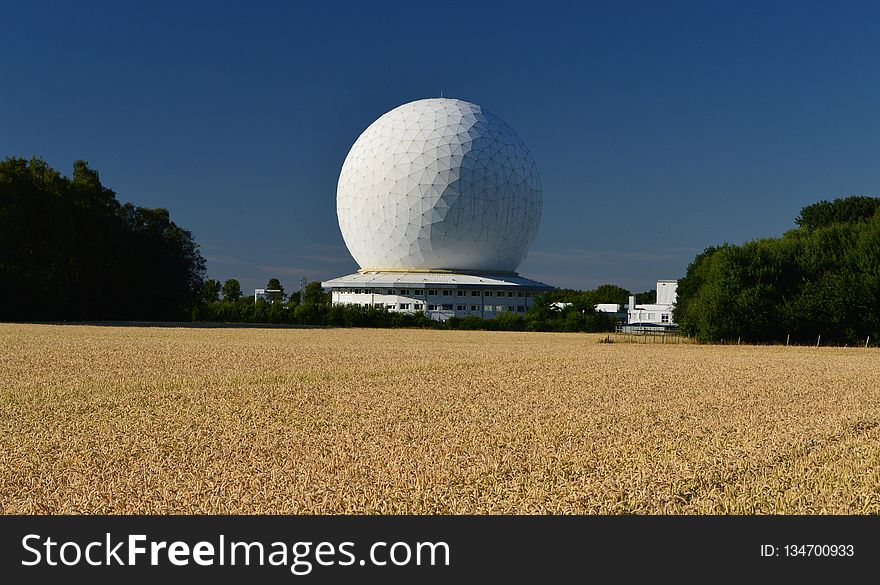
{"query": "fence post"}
[(786, 338), (738, 339), (818, 340), (867, 340)]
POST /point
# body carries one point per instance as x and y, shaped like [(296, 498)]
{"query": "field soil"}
[(141, 420)]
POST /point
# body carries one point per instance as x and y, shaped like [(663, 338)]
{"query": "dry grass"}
[(151, 420)]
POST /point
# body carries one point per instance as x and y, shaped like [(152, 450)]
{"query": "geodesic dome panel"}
[(439, 184)]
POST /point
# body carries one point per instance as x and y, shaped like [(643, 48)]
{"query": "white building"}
[(439, 295), (438, 202), (600, 308), (265, 293), (658, 314)]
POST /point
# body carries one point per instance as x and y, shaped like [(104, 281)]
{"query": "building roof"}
[(426, 279)]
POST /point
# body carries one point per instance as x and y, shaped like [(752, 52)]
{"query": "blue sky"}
[(658, 128)]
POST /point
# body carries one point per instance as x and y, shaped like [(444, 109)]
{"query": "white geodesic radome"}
[(439, 184)]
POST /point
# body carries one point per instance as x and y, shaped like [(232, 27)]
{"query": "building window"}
[(475, 307), (510, 294), (389, 306), (357, 291), (520, 309), (404, 291), (499, 308), (432, 292), (519, 294), (390, 291), (488, 293), (418, 293), (528, 294), (447, 307), (461, 308), (432, 307), (510, 309), (461, 293), (664, 318), (403, 306), (447, 293), (489, 308)]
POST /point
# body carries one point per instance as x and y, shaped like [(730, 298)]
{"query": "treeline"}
[(606, 293), (69, 250), (819, 279), (224, 303)]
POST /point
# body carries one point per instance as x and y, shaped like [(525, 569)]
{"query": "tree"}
[(162, 261), (648, 297), (820, 278), (308, 314), (275, 285), (210, 290), (231, 290), (611, 293), (70, 250), (845, 210), (313, 293)]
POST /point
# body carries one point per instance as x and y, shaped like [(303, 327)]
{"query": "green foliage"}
[(844, 210), (649, 297), (309, 313), (313, 293), (610, 293), (231, 290), (211, 290), (821, 278), (588, 299), (275, 285), (316, 310), (69, 250)]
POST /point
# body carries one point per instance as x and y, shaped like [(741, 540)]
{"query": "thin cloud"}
[(340, 248), (289, 271), (322, 253), (586, 269), (346, 258), (224, 260), (603, 256)]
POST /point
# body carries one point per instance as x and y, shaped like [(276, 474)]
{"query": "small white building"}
[(265, 293), (600, 308), (658, 314), (612, 309)]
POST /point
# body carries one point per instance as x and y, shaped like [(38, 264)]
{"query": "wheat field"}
[(106, 420)]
